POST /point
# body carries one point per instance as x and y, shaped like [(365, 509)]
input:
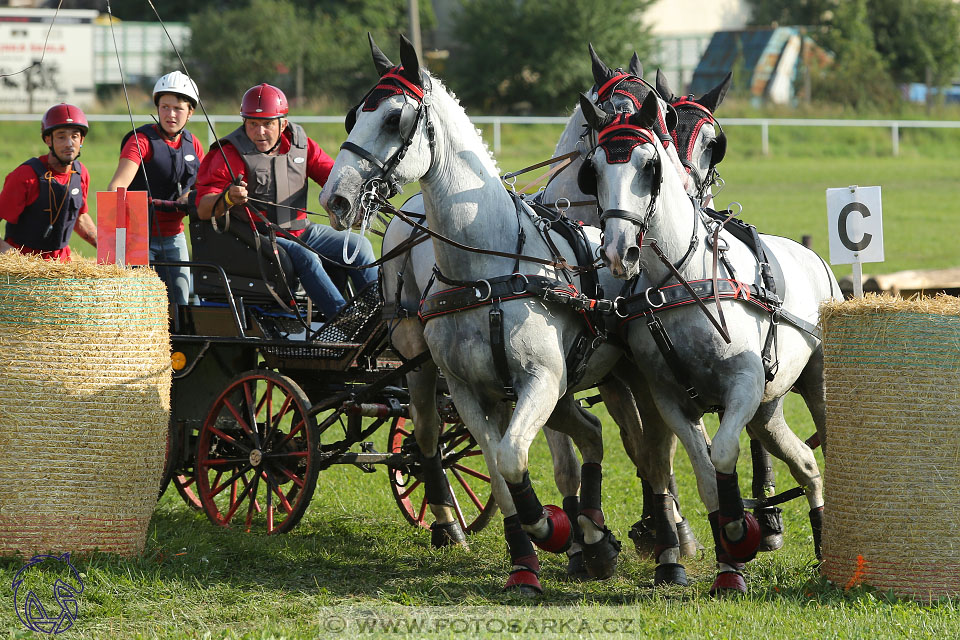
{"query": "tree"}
[(317, 46), (913, 40), (859, 76), (531, 56), (230, 51)]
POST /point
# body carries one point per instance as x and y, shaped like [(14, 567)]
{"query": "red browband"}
[(408, 87)]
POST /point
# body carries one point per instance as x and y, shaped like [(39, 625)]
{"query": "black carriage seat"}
[(235, 251)]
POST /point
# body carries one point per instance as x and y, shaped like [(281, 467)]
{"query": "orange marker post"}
[(122, 227)]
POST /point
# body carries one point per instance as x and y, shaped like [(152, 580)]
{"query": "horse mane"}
[(461, 120)]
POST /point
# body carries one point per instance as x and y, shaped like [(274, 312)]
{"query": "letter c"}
[(842, 224)]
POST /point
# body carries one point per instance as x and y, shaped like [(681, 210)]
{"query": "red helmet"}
[(264, 101), (63, 115)]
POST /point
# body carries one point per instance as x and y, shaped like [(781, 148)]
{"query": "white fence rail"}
[(498, 121)]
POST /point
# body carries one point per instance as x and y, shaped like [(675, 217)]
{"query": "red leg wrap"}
[(745, 549), (561, 533)]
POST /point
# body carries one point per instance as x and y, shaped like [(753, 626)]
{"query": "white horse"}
[(741, 357), (702, 145), (649, 445), (498, 347)]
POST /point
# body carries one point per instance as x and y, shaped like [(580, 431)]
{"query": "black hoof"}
[(771, 527), (577, 568), (644, 536), (670, 573), (601, 557), (689, 545), (447, 534)]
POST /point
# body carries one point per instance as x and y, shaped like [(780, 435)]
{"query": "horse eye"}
[(392, 121)]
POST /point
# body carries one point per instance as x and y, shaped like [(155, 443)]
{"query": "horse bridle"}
[(703, 115), (384, 186), (613, 132)]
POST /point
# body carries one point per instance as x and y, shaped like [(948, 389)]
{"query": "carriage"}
[(267, 393)]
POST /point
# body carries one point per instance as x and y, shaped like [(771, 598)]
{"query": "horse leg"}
[(566, 473), (739, 530), (407, 338), (485, 422), (549, 526), (812, 388), (600, 547), (769, 424), (651, 446), (765, 485)]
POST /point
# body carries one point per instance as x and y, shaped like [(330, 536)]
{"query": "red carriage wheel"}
[(465, 469), (186, 487), (257, 454)]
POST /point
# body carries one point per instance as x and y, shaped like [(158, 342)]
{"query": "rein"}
[(561, 264)]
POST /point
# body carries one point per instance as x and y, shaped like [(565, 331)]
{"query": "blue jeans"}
[(177, 279), (320, 279)]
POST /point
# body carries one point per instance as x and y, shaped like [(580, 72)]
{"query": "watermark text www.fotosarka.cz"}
[(344, 623)]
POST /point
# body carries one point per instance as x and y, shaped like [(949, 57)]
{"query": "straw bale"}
[(892, 508), (84, 404)]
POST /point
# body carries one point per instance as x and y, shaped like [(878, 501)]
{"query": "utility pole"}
[(414, 11)]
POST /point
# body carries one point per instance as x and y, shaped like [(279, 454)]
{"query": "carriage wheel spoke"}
[(227, 517), (230, 481), (274, 421), (241, 421), (300, 482), (283, 500), (472, 472), (230, 439), (253, 500), (466, 487), (294, 430), (411, 488), (423, 510)]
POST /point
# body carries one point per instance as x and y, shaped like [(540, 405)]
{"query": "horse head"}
[(389, 142), (701, 142), (626, 178)]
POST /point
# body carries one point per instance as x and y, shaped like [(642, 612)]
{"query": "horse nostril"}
[(338, 206), (632, 255)]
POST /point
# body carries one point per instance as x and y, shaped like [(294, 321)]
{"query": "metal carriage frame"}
[(262, 402)]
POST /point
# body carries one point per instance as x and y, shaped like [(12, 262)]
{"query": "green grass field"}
[(353, 567)]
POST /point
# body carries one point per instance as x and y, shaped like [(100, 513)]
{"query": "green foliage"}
[(230, 51), (860, 75), (269, 40), (877, 43), (524, 56)]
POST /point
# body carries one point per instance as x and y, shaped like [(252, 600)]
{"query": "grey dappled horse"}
[(410, 128), (702, 145), (406, 276), (741, 355)]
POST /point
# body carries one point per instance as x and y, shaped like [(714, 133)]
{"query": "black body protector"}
[(47, 222), (281, 178)]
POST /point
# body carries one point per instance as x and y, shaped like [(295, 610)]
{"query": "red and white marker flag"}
[(123, 235)]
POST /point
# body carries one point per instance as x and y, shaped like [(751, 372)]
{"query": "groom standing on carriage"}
[(271, 159)]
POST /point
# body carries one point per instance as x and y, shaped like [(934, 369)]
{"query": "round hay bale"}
[(892, 504), (84, 404)]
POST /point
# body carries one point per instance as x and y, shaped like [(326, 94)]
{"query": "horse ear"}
[(410, 61), (380, 61), (649, 113), (595, 117), (712, 99), (663, 88), (601, 72), (635, 68)]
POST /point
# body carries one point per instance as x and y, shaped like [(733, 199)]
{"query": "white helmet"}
[(178, 83)]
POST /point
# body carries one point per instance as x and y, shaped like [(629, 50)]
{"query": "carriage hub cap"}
[(256, 457)]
